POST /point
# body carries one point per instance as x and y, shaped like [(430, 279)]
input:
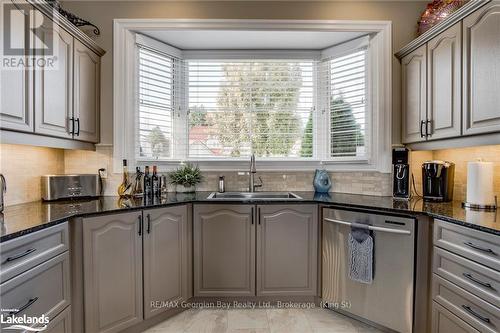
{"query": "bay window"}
[(231, 109), (295, 109)]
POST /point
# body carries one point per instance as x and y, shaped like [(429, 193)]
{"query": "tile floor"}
[(314, 320)]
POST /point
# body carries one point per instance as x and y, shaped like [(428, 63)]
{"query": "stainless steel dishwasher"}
[(388, 301)]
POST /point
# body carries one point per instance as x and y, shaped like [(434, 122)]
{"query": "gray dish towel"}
[(360, 255)]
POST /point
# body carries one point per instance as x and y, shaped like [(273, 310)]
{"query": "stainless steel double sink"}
[(253, 196)]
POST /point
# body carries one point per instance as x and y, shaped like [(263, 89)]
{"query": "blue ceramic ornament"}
[(322, 182)]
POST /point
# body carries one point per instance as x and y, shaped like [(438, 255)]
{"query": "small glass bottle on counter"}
[(155, 181), (148, 186), (124, 188)]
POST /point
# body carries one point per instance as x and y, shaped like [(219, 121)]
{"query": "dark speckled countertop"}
[(25, 218)]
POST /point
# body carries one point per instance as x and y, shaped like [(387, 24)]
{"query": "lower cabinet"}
[(166, 262), (112, 259), (287, 243), (134, 264), (279, 240), (224, 250)]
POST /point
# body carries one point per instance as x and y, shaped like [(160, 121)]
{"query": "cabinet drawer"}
[(481, 315), (44, 289), (473, 277), (21, 254), (60, 323), (475, 245), (443, 321)]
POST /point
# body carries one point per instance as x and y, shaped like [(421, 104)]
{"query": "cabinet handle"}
[(473, 279), (140, 225), (72, 125), (149, 223), (78, 123), (24, 307), (475, 314), (252, 215), (258, 214), (20, 255), (427, 131), (422, 128), (469, 244)]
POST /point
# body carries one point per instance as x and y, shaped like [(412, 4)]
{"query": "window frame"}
[(339, 51), (124, 67)]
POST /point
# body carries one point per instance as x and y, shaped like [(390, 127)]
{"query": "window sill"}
[(236, 165)]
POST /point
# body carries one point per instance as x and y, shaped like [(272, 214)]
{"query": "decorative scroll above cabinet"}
[(451, 81)]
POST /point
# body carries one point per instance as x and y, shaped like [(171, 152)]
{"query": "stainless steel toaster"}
[(56, 187)]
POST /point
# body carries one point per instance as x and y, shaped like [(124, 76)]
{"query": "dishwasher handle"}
[(369, 227)]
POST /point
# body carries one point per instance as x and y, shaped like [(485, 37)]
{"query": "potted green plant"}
[(185, 178)]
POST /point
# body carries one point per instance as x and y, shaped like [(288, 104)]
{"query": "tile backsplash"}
[(459, 156), (369, 183), (23, 166)]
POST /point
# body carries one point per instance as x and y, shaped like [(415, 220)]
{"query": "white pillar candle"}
[(480, 183)]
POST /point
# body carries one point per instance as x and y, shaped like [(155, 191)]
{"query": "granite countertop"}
[(25, 218)]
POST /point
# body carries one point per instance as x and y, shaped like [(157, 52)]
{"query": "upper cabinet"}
[(15, 84), (481, 68), (413, 68), (451, 80), (54, 87), (87, 69), (58, 103), (444, 105)]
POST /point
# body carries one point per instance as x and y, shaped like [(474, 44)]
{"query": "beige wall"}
[(403, 14), (460, 157)]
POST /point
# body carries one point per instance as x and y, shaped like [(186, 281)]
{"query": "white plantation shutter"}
[(240, 107), (206, 108), (346, 101), (156, 104)]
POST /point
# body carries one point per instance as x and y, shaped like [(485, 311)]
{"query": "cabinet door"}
[(287, 250), (444, 93), (413, 67), (112, 259), (481, 70), (165, 258), (87, 68), (16, 112), (54, 87), (224, 250)]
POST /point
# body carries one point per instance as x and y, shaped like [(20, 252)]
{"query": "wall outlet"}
[(104, 173)]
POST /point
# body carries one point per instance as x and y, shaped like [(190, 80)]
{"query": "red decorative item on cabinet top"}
[(437, 11)]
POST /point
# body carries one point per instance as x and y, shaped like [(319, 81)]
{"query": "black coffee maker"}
[(437, 180), (400, 173)]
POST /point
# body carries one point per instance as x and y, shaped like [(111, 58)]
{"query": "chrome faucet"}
[(253, 171)]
